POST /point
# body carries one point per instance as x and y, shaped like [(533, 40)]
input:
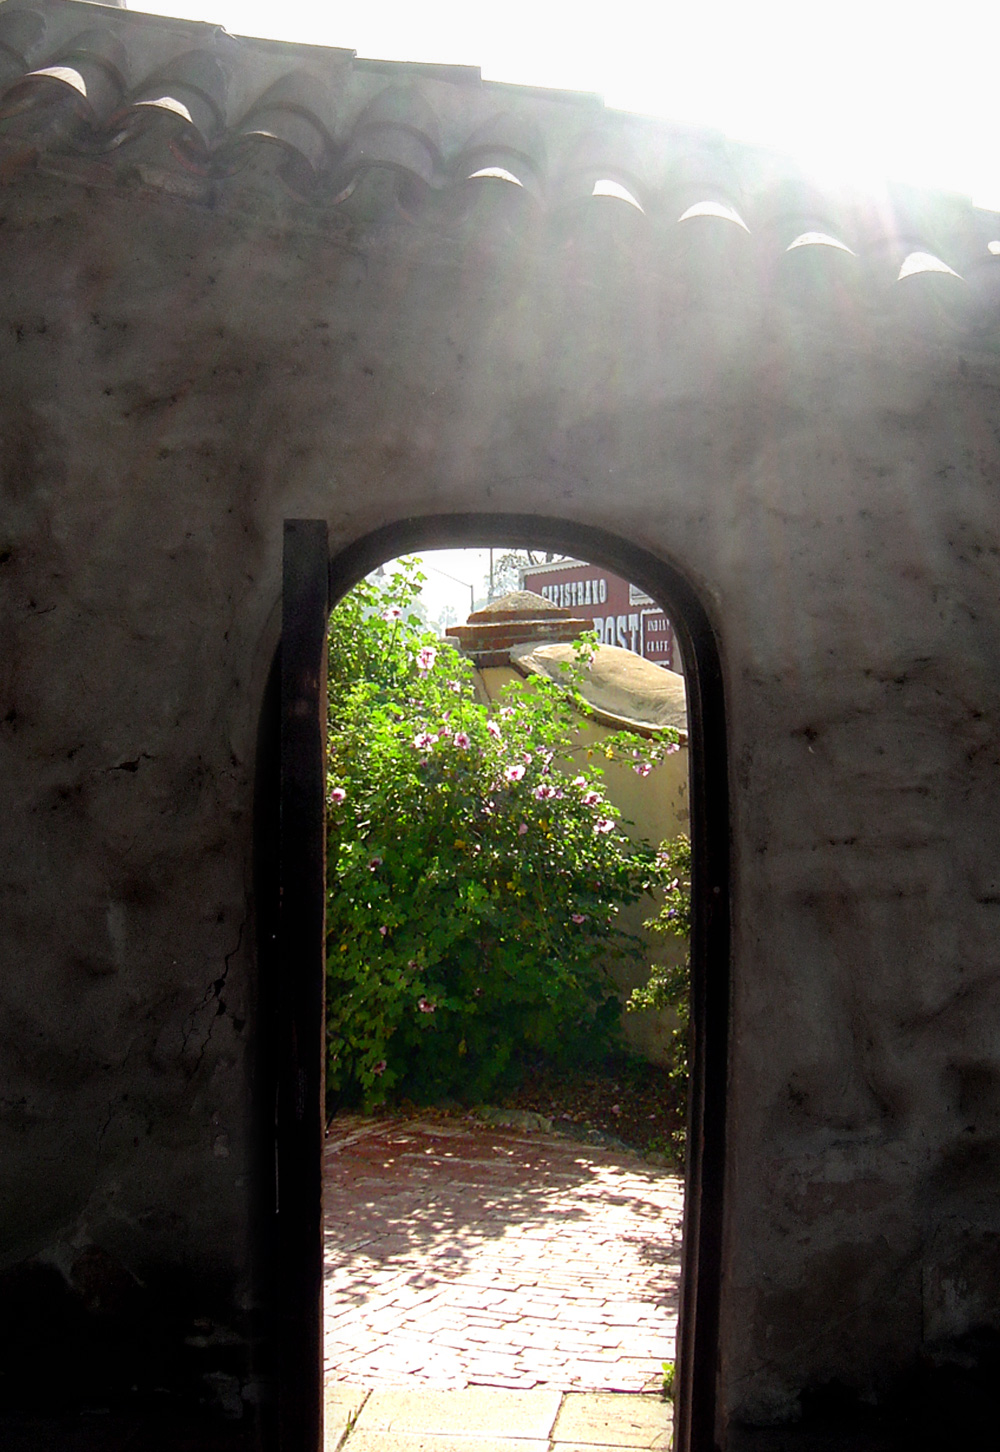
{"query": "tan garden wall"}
[(654, 809)]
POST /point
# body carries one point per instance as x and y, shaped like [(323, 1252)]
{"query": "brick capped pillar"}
[(522, 617)]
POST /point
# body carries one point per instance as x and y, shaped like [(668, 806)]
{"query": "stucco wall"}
[(654, 808), (820, 457)]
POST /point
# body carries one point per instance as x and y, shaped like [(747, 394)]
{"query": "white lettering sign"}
[(574, 593)]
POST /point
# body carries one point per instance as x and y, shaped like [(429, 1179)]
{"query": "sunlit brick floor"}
[(459, 1254)]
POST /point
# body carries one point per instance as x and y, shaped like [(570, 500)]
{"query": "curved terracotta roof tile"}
[(23, 36), (511, 134), (385, 140)]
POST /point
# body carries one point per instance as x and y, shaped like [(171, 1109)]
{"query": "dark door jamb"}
[(300, 987)]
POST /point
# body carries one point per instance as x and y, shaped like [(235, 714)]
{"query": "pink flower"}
[(426, 657), (425, 1006), (578, 917), (590, 799), (374, 863), (544, 792), (493, 728), (616, 1109), (462, 740), (603, 824), (423, 740), (506, 712), (383, 930), (527, 758), (643, 768), (455, 686), (392, 613), (514, 773), (672, 749), (522, 829), (579, 781), (380, 1067), (337, 795)]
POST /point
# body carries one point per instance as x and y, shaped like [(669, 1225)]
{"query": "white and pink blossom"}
[(462, 741), (545, 792), (425, 1005), (591, 798), (603, 824), (337, 795), (514, 773), (426, 657), (423, 740)]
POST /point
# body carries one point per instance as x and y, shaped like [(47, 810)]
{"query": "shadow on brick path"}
[(460, 1254)]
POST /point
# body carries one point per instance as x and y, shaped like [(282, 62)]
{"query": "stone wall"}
[(188, 356)]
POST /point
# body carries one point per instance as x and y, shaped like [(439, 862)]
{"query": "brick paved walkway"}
[(459, 1255)]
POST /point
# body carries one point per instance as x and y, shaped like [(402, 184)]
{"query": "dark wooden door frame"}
[(312, 584), (301, 982)]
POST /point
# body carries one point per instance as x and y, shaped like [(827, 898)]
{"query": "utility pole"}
[(455, 580)]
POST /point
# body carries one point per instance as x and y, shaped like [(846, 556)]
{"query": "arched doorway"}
[(292, 937)]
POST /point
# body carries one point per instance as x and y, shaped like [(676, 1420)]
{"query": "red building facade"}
[(621, 613)]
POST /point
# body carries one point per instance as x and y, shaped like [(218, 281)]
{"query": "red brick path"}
[(459, 1254)]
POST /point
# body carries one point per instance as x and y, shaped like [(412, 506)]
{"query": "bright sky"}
[(444, 569), (856, 87)]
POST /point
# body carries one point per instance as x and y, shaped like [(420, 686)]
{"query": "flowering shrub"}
[(474, 884)]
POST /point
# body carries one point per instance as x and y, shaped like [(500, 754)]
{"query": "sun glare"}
[(857, 91)]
